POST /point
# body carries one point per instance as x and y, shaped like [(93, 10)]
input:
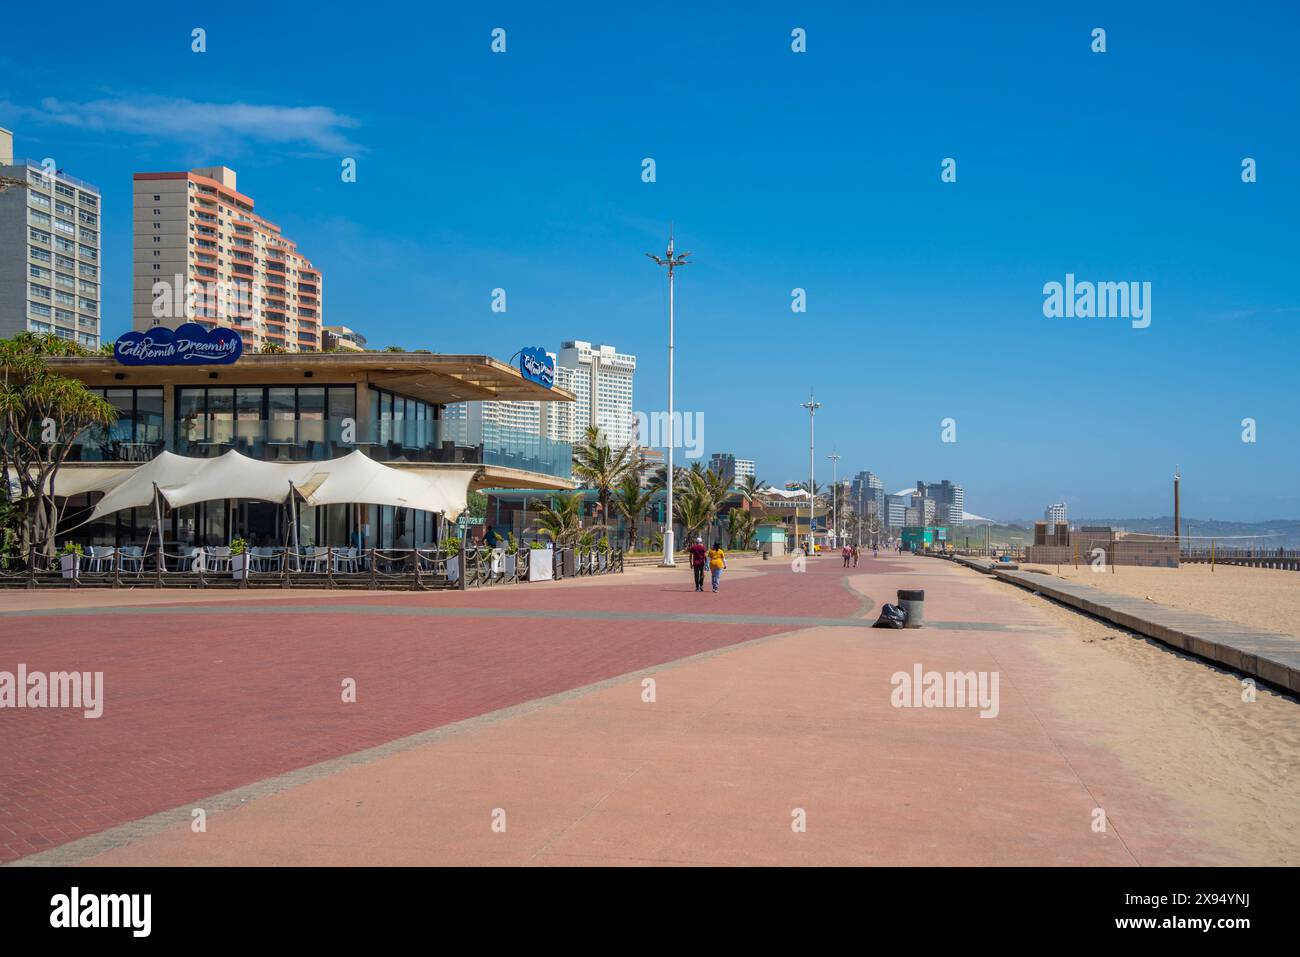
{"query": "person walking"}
[(699, 555), (717, 562), (855, 556), (846, 553)]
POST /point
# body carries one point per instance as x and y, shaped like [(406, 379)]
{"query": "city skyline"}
[(924, 298)]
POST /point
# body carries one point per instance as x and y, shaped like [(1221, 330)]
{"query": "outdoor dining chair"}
[(99, 558), (132, 558), (345, 559), (219, 558)]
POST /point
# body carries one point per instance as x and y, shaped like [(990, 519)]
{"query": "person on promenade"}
[(717, 562), (846, 553), (699, 555), (875, 549), (855, 556)]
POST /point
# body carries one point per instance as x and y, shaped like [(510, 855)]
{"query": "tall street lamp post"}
[(812, 405), (671, 261)]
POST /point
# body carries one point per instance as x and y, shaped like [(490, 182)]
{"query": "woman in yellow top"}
[(717, 562)]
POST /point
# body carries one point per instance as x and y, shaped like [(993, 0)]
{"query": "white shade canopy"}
[(356, 477)]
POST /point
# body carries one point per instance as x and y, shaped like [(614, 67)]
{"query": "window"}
[(42, 254), (41, 292)]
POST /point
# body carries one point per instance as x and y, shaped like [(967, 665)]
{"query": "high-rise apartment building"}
[(203, 255), (49, 250), (725, 463), (895, 511), (1054, 514), (949, 500), (601, 379), (866, 488), (493, 414)]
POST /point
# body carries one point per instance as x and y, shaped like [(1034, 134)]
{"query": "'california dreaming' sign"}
[(537, 366), (186, 345)]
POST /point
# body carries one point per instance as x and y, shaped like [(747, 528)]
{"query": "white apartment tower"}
[(1055, 513), (202, 255), (49, 250), (601, 379)]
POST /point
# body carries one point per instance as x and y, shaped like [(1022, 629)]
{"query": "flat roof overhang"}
[(433, 378), (496, 476)]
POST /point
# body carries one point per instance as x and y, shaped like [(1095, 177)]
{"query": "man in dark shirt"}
[(699, 557)]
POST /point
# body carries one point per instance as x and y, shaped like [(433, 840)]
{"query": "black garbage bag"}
[(891, 616)]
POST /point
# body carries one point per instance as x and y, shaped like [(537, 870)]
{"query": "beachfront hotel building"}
[(308, 407), (1055, 514), (725, 463), (49, 250), (600, 378), (202, 254)]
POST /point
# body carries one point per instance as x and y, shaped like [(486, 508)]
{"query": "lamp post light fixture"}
[(812, 405), (670, 261)]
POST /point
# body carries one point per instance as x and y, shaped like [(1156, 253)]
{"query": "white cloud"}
[(216, 126)]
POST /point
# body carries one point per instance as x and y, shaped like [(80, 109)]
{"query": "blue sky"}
[(818, 170)]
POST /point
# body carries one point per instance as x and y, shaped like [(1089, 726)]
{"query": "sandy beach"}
[(1179, 723), (1264, 597)]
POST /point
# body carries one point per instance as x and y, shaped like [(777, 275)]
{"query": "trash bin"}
[(912, 602), (766, 554)]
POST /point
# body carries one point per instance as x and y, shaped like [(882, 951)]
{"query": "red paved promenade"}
[(770, 697), (199, 703)]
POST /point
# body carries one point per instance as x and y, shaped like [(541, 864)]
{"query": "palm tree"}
[(601, 467), (693, 512), (704, 494), (632, 501), (740, 528), (560, 520), (659, 477), (749, 489)]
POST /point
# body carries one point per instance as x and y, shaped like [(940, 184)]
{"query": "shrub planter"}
[(239, 566), (512, 565)]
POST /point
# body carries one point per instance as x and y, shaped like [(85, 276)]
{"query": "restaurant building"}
[(298, 408)]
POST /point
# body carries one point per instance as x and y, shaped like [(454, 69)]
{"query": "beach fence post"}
[(1211, 555)]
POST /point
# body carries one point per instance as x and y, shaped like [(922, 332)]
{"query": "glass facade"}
[(136, 436), (413, 431), (273, 423)]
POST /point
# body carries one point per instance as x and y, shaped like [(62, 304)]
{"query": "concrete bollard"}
[(912, 602)]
